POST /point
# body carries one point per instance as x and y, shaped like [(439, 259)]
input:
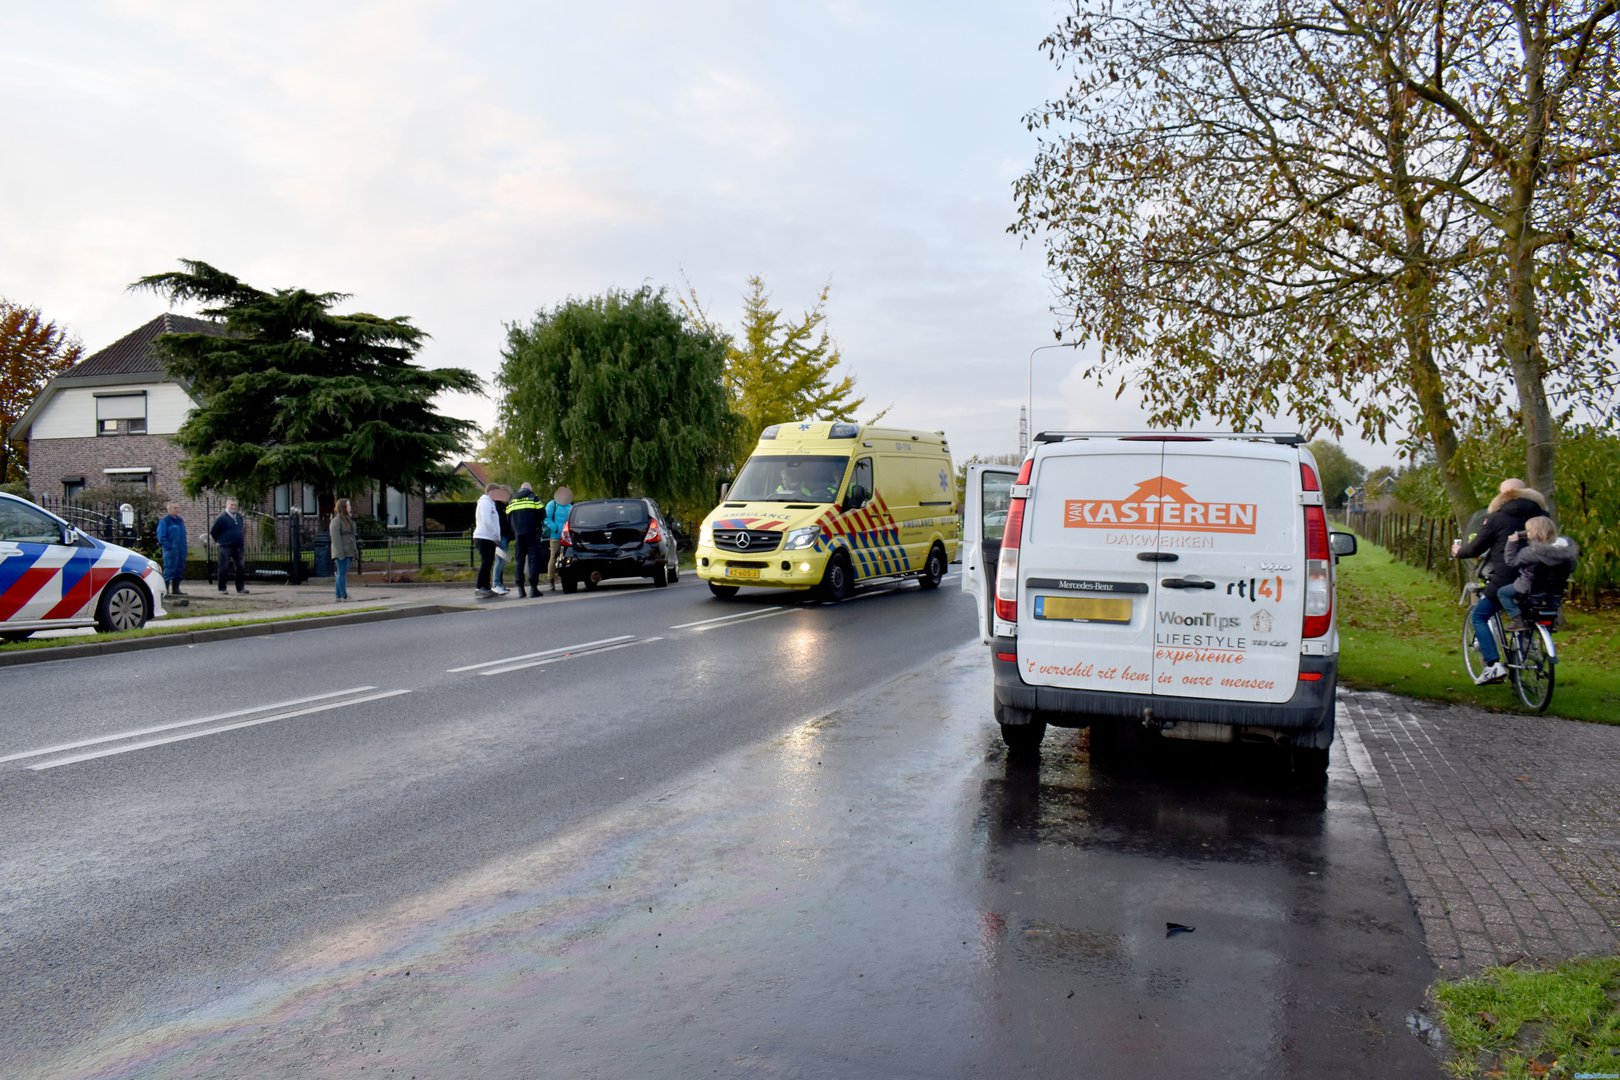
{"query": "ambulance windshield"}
[(789, 478)]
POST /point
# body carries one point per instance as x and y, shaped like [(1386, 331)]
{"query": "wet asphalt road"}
[(785, 845)]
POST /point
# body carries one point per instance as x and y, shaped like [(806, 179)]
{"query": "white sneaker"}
[(500, 590), (1493, 674)]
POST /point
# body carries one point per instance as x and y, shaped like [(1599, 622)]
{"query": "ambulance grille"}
[(747, 541)]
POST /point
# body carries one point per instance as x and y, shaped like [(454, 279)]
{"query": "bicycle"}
[(1528, 654)]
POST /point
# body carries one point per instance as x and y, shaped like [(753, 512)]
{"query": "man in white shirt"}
[(486, 536)]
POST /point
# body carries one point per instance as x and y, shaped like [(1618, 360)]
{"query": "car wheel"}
[(660, 575), (591, 584), (674, 571), (934, 569), (724, 592), (569, 584), (123, 606), (838, 581)]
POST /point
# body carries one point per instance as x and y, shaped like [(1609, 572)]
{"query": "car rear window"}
[(608, 514)]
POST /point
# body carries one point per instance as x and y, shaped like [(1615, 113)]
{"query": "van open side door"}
[(984, 514)]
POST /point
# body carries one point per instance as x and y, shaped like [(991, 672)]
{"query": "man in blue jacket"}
[(231, 537), (171, 537)]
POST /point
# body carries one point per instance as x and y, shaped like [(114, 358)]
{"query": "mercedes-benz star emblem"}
[(742, 540)]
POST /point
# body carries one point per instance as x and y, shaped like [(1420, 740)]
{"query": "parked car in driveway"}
[(52, 576), (616, 538)]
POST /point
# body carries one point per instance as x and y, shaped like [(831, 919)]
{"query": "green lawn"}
[(1512, 1023), (1401, 630)]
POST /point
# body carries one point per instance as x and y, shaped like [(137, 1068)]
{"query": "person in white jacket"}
[(486, 536)]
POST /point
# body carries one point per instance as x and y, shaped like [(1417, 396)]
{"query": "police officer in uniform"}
[(527, 515)]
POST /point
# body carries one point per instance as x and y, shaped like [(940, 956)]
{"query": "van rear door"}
[(1230, 609), (984, 515), (1088, 568)]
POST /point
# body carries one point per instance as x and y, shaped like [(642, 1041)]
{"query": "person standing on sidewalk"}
[(486, 535), (171, 537), (345, 544), (526, 513), (562, 501), (231, 536), (502, 497)]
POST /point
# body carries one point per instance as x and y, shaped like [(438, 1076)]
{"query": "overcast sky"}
[(466, 164)]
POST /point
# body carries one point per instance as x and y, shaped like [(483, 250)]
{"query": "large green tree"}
[(32, 350), (1279, 206), (624, 395), (293, 392), (780, 369)]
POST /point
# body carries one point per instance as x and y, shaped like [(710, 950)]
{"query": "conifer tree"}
[(295, 393)]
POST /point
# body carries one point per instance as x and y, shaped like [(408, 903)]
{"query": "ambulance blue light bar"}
[(844, 431), (770, 432)]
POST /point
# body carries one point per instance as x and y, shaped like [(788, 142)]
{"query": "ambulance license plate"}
[(1108, 609), (745, 572)]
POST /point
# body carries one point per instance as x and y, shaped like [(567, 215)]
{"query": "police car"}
[(52, 576)]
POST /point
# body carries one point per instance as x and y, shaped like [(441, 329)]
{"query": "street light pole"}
[(1029, 414)]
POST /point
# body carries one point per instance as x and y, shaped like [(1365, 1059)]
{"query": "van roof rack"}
[(1281, 438)]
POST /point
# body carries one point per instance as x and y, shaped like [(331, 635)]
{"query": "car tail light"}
[(567, 537), (1318, 562), (653, 535), (1012, 535)]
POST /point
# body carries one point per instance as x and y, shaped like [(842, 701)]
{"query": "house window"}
[(72, 487), (388, 505), (121, 414), (131, 478), (303, 496)]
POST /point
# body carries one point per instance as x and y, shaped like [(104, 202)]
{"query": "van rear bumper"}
[(1310, 708)]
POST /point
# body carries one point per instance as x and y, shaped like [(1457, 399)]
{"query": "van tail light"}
[(1318, 562), (653, 535), (1012, 535)]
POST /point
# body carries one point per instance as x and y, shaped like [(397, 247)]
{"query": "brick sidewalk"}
[(1504, 826)]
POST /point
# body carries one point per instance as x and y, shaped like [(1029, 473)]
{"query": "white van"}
[(1181, 581)]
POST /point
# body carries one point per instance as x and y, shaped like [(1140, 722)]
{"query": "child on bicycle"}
[(1544, 561)]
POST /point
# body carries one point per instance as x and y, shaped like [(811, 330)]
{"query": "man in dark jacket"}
[(527, 515), (1489, 544), (229, 534)]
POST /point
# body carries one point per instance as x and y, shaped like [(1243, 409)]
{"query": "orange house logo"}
[(1160, 503)]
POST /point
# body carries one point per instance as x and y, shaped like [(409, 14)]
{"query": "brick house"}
[(108, 421)]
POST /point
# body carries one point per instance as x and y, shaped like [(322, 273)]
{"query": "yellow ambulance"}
[(828, 505)]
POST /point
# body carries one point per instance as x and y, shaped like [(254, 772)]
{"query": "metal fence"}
[(288, 547)]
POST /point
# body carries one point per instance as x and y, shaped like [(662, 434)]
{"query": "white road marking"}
[(568, 656), (734, 616), (211, 731), (181, 723), (770, 613), (548, 652)]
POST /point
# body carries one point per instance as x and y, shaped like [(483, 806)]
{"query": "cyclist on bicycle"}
[(1543, 561), (1507, 515)]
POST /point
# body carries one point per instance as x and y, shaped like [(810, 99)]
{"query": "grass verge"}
[(1513, 1023), (1401, 631)]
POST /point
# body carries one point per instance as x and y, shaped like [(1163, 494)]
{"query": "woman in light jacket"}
[(344, 545)]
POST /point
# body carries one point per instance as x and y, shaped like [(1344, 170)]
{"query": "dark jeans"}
[(229, 554), (531, 561), (1483, 611), (486, 560)]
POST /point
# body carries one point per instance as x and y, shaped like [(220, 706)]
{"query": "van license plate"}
[(1110, 609), (742, 572)]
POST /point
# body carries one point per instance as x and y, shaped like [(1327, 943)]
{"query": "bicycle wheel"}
[(1473, 659), (1537, 668)]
